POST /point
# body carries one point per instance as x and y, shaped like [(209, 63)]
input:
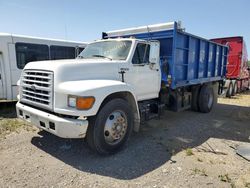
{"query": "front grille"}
[(37, 88)]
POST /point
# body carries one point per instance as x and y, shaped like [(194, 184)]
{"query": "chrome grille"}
[(37, 88)]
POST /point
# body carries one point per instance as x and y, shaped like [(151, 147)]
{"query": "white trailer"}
[(16, 51)]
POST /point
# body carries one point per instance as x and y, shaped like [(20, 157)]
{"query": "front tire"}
[(110, 129)]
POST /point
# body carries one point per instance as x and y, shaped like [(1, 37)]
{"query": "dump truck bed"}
[(185, 59)]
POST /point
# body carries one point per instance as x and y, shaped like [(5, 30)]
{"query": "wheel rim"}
[(115, 127)]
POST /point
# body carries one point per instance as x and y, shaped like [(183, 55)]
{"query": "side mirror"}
[(154, 53)]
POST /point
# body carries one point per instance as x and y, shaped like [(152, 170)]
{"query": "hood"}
[(78, 69)]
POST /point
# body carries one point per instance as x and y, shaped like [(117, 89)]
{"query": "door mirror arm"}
[(152, 65)]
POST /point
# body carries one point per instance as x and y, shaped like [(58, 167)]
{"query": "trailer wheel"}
[(195, 96), (229, 90), (110, 128), (235, 89), (206, 99)]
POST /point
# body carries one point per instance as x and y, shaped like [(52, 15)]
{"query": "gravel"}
[(154, 157)]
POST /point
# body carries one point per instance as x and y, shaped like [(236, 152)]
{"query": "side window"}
[(62, 52), (141, 55), (79, 50), (27, 52)]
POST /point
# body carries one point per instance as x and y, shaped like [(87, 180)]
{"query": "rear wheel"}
[(110, 128), (195, 96), (229, 90), (206, 99)]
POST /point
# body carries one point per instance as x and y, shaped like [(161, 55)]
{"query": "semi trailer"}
[(117, 83), (237, 76)]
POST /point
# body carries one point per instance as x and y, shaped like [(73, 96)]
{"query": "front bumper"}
[(59, 126)]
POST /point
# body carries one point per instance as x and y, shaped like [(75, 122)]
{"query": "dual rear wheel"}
[(232, 89), (203, 98)]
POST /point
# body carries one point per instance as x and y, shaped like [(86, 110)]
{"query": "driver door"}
[(144, 78)]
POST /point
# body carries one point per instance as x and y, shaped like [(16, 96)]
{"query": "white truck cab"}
[(94, 96)]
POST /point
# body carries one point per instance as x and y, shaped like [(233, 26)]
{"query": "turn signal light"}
[(84, 103)]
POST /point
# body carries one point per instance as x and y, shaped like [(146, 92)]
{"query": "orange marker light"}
[(84, 103)]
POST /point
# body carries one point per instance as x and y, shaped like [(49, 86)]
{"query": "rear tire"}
[(229, 90), (206, 99), (110, 128), (195, 96)]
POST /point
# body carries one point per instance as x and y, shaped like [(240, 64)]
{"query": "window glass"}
[(113, 50), (79, 50), (62, 52), (27, 52), (141, 55)]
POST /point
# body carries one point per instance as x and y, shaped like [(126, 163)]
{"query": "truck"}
[(120, 81), (17, 50), (237, 76)]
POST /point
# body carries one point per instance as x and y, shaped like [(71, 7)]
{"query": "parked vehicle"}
[(237, 77), (128, 77), (16, 51)]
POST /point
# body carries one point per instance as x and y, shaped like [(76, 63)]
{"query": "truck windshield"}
[(113, 50)]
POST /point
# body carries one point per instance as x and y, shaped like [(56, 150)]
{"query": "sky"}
[(85, 20)]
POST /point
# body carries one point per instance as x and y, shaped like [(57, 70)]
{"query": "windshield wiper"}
[(102, 56)]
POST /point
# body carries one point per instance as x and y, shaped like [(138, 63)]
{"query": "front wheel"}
[(110, 128)]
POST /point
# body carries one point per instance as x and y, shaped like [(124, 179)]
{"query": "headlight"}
[(72, 101), (80, 103)]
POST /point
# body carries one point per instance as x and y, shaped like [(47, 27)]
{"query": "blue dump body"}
[(190, 59)]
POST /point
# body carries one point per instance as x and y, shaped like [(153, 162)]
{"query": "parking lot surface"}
[(185, 149)]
